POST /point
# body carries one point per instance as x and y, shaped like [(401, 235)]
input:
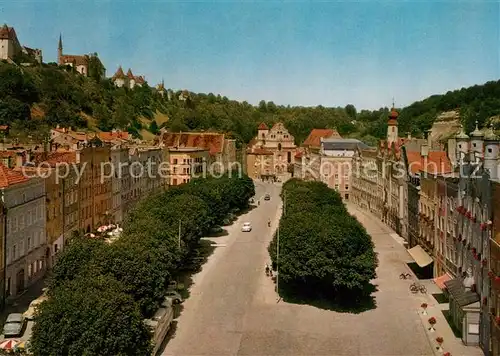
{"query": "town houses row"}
[(440, 199), (71, 185)]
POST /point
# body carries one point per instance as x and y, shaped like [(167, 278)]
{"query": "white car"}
[(246, 227)]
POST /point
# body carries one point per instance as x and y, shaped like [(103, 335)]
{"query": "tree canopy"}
[(95, 285), (323, 249)]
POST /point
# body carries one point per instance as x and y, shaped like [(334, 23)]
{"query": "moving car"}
[(30, 313), (174, 297), (267, 197), (14, 325), (247, 227)]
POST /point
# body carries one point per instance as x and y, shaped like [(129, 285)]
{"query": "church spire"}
[(60, 50)]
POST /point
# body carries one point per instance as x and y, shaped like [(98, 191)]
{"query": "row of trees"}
[(324, 251), (100, 293)]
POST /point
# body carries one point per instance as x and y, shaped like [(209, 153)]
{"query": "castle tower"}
[(491, 149), (392, 127), (476, 148), (59, 50), (462, 145)]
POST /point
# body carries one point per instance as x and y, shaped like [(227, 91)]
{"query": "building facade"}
[(271, 153), (186, 163), (25, 240)]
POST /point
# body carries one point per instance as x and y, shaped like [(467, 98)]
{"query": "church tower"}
[(392, 127), (59, 50)]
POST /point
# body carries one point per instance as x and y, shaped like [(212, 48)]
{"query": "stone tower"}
[(476, 145), (392, 127), (491, 153)]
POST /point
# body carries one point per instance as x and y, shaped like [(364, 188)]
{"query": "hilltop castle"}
[(79, 62)]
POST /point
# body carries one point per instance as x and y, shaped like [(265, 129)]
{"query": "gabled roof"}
[(130, 75), (139, 79), (7, 33), (54, 158), (214, 142), (314, 138), (113, 136), (9, 177), (75, 60), (119, 74), (263, 126)]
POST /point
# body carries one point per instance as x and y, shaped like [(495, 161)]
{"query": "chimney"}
[(429, 140)]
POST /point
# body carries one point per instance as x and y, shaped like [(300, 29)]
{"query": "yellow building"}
[(271, 153), (186, 163), (95, 192)]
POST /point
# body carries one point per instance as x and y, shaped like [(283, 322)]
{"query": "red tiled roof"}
[(263, 126), (75, 59), (139, 79), (5, 154), (298, 155), (314, 138), (112, 136), (129, 74), (437, 162), (9, 177), (7, 33), (4, 127), (213, 142), (119, 74)]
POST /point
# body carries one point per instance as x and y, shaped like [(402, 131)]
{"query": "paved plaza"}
[(233, 309)]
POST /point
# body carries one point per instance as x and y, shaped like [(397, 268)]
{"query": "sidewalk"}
[(451, 343)]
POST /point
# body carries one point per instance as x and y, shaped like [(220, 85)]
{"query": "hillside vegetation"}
[(33, 99)]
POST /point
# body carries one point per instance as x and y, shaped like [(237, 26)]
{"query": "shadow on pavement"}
[(170, 336), (347, 303)]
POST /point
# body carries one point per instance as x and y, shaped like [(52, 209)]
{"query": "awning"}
[(459, 294), (421, 257), (441, 280)]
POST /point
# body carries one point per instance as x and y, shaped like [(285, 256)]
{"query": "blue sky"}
[(298, 53)]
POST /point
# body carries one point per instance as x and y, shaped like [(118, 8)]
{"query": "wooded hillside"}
[(33, 99)]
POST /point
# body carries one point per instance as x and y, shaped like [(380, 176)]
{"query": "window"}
[(346, 196), (21, 248), (489, 150), (29, 243), (30, 270), (14, 253), (175, 161), (174, 181), (346, 187)]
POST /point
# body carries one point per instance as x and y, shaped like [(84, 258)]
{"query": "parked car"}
[(30, 313), (14, 325), (172, 285), (267, 197), (247, 227), (174, 297)]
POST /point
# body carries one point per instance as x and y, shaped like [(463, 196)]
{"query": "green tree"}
[(90, 316)]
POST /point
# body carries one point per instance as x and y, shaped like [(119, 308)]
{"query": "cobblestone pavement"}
[(233, 308)]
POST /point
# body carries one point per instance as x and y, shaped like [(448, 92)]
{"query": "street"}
[(233, 309)]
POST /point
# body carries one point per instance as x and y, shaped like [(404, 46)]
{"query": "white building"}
[(10, 46), (25, 241)]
